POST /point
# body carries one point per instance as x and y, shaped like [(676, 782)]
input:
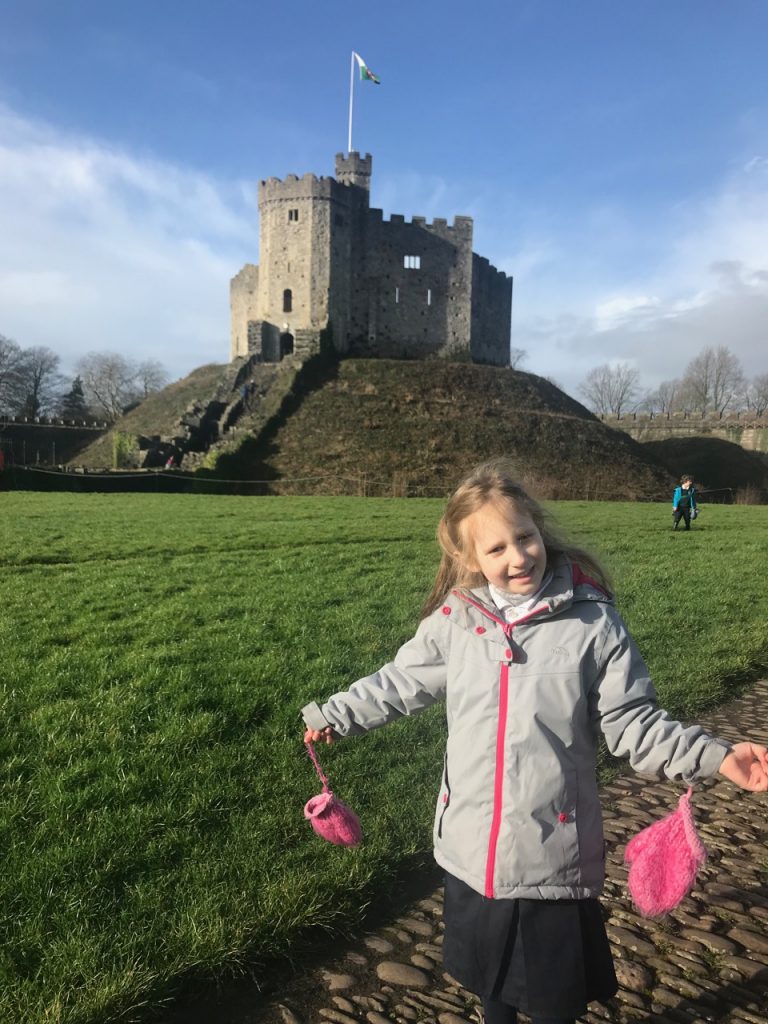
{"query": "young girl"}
[(522, 641)]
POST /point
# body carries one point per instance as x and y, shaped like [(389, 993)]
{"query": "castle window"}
[(412, 262), (429, 296), (293, 214), (287, 301), (397, 294)]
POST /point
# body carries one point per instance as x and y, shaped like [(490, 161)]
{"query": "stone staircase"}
[(239, 408)]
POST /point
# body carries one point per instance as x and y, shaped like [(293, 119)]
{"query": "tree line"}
[(105, 386), (713, 382)]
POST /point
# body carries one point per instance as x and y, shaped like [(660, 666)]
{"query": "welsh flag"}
[(366, 75)]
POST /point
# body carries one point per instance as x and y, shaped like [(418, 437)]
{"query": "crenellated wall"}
[(407, 311), (745, 429), (491, 313), (47, 442)]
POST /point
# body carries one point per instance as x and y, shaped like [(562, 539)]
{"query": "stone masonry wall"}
[(491, 313), (294, 252), (49, 444), (243, 304), (743, 429), (413, 312)]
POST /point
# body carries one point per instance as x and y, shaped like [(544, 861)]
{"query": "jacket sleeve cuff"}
[(709, 762), (713, 757), (314, 717)]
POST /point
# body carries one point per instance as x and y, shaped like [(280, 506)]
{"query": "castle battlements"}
[(460, 225), (332, 267), (487, 266)]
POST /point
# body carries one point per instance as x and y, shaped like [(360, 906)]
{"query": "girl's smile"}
[(506, 547)]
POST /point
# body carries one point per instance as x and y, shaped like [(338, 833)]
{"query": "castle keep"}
[(333, 272)]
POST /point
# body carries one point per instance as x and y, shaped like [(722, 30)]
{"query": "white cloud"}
[(113, 251), (709, 288), (620, 309)]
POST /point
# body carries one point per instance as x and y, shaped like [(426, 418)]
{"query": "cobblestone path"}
[(707, 961)]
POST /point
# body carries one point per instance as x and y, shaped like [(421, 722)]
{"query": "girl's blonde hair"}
[(494, 481)]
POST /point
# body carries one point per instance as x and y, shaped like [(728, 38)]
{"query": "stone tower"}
[(333, 271)]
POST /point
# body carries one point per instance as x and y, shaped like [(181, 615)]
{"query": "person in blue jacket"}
[(684, 502)]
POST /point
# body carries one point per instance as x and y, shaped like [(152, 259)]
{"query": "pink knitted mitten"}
[(328, 816), (664, 860)]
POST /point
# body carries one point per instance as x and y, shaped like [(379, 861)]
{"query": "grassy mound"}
[(393, 427)]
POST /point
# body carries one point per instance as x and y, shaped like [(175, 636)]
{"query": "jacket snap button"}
[(479, 630), (446, 610), (562, 817)]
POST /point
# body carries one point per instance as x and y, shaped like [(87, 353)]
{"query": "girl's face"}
[(504, 544)]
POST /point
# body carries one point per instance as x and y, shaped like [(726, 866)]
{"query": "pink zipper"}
[(498, 784), (501, 729)]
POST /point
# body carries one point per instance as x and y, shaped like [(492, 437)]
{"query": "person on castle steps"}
[(521, 639), (684, 502)]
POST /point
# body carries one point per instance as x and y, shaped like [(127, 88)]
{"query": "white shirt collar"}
[(514, 607)]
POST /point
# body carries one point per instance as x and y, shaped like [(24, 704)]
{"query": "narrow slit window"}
[(287, 301), (293, 214), (397, 295), (429, 296), (412, 262)]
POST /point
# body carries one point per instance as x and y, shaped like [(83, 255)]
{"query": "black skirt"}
[(548, 958)]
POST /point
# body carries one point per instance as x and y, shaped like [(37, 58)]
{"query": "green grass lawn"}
[(156, 650)]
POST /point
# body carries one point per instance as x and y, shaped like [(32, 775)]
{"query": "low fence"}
[(32, 478)]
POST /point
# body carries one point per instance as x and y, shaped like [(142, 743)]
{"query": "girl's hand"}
[(747, 766), (326, 735)]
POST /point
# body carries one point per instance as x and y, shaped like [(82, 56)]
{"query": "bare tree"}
[(665, 398), (712, 380), (41, 383), (11, 364), (756, 394), (151, 376), (112, 383), (516, 356), (109, 382), (610, 390)]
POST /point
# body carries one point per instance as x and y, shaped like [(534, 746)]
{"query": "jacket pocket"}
[(446, 798)]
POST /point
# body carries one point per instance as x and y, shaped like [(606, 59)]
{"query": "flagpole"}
[(351, 94)]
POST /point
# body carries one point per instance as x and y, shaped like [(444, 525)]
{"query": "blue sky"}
[(613, 155)]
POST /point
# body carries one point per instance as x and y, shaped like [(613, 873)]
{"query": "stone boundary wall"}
[(742, 428), (46, 442)]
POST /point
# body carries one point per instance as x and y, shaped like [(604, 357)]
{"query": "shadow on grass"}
[(244, 1000)]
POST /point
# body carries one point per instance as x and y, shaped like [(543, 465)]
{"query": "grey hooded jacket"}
[(518, 813)]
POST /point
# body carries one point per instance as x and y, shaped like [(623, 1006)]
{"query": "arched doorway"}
[(286, 344)]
